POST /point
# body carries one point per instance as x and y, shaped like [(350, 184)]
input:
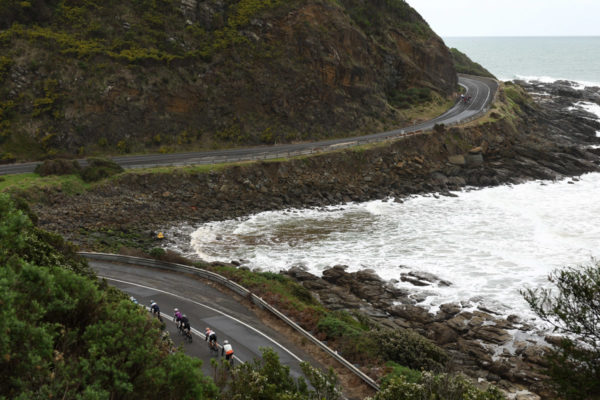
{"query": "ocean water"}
[(489, 243), (542, 58)]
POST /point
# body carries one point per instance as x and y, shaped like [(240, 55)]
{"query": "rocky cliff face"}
[(108, 76)]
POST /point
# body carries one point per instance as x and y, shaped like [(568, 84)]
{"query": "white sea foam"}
[(548, 79), (590, 107), (489, 243)]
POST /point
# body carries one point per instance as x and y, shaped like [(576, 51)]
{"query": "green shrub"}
[(267, 379), (99, 168), (157, 252), (66, 336), (410, 349), (397, 370), (340, 324), (434, 387), (5, 64), (465, 65), (409, 97), (57, 167), (7, 158), (574, 310)]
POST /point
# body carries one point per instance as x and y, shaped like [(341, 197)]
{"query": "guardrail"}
[(242, 291)]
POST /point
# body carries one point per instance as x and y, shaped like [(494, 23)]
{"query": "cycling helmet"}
[(177, 309), (184, 316), (225, 341)]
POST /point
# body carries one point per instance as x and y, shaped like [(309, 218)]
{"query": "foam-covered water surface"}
[(489, 243)]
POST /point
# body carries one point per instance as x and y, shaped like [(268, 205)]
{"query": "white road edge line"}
[(488, 95), (210, 308)]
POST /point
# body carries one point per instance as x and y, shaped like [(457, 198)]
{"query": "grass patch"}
[(288, 296), (396, 370), (70, 184), (426, 111)]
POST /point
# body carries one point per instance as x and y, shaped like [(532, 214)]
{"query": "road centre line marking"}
[(212, 309)]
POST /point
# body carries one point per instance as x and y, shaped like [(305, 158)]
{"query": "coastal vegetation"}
[(465, 65), (573, 308), (266, 379), (65, 334), (413, 365), (428, 386)]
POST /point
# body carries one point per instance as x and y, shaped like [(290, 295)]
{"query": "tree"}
[(434, 387), (62, 335), (267, 379), (573, 308)]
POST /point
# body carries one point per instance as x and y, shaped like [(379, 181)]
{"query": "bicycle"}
[(213, 346), (229, 362), (187, 336), (180, 329)]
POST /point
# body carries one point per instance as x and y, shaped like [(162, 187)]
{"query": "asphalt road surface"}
[(205, 306), (481, 90)]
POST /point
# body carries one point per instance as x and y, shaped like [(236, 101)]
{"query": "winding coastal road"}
[(204, 306), (481, 90)]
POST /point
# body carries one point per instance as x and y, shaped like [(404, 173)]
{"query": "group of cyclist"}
[(183, 324)]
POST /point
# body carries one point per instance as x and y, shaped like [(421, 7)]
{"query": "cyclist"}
[(211, 337), (185, 323), (227, 349), (154, 308), (177, 317)]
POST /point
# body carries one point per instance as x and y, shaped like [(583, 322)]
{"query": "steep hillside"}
[(465, 65), (106, 76)]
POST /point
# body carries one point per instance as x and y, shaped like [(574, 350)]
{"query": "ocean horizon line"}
[(519, 36)]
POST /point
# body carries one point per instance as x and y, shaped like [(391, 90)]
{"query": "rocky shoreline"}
[(553, 138), (484, 345), (544, 141)]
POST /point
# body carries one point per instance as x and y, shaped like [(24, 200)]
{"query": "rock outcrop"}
[(480, 343)]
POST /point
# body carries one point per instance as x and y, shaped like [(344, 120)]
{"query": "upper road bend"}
[(481, 91)]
